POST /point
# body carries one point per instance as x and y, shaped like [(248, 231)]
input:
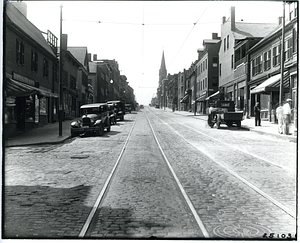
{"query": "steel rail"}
[(190, 204), (107, 182), (265, 195)]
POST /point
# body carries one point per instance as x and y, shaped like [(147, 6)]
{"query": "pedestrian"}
[(257, 114), (287, 116)]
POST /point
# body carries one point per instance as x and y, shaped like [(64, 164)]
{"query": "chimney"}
[(215, 36), (21, 6), (95, 57), (223, 20), (232, 18), (200, 51), (89, 57), (279, 20)]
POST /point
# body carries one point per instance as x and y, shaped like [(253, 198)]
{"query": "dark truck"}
[(119, 107), (223, 112)]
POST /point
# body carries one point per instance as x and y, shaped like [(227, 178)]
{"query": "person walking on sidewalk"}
[(287, 116), (257, 114)]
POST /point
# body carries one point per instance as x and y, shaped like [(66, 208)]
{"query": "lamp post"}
[(60, 108)]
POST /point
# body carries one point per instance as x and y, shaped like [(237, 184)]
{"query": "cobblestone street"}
[(237, 191)]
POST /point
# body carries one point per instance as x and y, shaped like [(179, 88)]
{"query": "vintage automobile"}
[(112, 114), (223, 112), (95, 119), (127, 108), (119, 107)]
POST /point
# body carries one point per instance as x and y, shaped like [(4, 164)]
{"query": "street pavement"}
[(49, 134)]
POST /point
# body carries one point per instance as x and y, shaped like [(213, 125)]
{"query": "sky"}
[(136, 33)]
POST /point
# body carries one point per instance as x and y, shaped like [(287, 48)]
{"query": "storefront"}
[(26, 107)]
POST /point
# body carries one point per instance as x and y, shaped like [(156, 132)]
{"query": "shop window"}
[(20, 50), (29, 109), (267, 60)]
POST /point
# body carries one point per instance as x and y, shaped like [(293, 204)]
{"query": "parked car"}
[(112, 114), (119, 107), (157, 106), (95, 119), (127, 108)]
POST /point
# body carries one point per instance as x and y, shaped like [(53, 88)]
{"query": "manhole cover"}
[(241, 231), (81, 156)]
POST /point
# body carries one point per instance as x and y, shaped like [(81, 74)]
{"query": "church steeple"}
[(162, 70)]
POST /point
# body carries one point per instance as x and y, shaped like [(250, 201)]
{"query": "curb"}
[(40, 143)]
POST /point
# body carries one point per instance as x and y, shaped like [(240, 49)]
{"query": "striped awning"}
[(18, 89), (272, 84)]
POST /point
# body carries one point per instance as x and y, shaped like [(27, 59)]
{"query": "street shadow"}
[(107, 220), (42, 212)]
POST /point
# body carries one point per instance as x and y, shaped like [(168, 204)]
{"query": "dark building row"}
[(31, 78), (245, 64)]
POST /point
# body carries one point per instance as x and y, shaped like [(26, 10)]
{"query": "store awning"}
[(184, 99), (201, 98), (271, 84), (18, 89), (213, 95)]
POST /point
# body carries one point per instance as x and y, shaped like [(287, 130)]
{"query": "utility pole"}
[(60, 114), (282, 57)]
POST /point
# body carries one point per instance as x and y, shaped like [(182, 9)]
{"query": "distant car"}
[(141, 107), (156, 106), (128, 108), (95, 119), (119, 107)]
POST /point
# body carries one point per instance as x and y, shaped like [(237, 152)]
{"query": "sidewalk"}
[(266, 127), (48, 134)]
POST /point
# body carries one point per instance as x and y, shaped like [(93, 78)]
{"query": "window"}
[(220, 69), (288, 50), (20, 52), (206, 63), (45, 68), (215, 62), (276, 55), (231, 61), (72, 82), (227, 42), (267, 60), (256, 66), (34, 61), (294, 40)]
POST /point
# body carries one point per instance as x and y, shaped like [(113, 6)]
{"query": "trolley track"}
[(90, 222), (280, 205)]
